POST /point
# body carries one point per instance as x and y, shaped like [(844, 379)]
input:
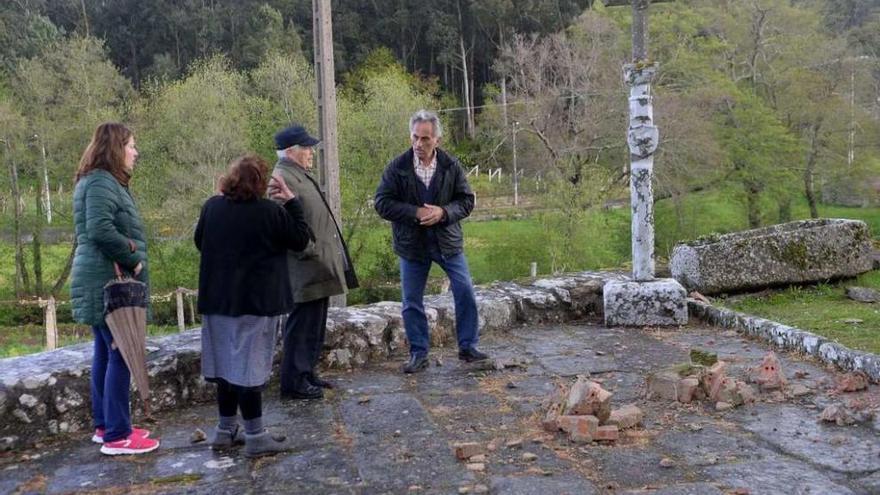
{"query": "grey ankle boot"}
[(264, 443), (225, 439)]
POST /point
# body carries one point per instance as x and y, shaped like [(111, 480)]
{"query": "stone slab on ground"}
[(383, 432), (789, 253), (659, 302)]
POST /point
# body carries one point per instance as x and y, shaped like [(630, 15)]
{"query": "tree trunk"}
[(753, 191), (22, 283), (466, 79), (62, 279), (37, 248), (810, 169)]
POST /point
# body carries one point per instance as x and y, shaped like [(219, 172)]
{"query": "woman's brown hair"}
[(107, 152), (248, 178)]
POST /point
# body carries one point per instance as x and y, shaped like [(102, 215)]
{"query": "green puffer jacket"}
[(105, 220)]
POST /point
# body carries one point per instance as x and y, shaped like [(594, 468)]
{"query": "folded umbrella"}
[(125, 311)]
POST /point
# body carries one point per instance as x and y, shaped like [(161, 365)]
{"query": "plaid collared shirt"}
[(425, 174)]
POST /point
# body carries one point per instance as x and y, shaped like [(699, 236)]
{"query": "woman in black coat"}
[(244, 290)]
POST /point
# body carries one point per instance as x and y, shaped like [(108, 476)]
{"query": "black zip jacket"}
[(397, 199)]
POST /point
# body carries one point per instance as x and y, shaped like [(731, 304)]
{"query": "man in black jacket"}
[(425, 194)]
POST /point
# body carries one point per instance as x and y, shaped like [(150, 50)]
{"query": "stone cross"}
[(644, 300)]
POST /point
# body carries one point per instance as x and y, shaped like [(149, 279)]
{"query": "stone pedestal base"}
[(660, 302)]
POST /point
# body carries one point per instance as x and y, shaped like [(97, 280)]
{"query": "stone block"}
[(626, 417), (608, 433), (466, 450), (663, 385), (660, 302), (863, 294), (794, 252)]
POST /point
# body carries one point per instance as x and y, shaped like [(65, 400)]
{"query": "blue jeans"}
[(111, 383), (413, 276)]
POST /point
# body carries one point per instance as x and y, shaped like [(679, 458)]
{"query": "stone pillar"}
[(642, 139), (643, 301)]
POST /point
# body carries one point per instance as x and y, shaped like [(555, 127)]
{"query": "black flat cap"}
[(292, 136)]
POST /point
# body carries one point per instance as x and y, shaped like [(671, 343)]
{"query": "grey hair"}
[(282, 153), (426, 116)]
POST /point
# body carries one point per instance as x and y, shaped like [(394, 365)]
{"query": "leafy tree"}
[(67, 90), (189, 131)]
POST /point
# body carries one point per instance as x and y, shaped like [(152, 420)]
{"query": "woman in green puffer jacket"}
[(108, 230)]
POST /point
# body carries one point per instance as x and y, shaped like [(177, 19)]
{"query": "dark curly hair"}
[(247, 179)]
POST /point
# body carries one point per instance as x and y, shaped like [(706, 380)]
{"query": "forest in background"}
[(766, 106)]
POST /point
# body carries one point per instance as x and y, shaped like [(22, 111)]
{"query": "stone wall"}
[(789, 338), (47, 394)]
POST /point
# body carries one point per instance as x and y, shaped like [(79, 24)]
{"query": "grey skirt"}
[(239, 349)]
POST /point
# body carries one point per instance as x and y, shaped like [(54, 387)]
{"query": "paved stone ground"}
[(383, 432)]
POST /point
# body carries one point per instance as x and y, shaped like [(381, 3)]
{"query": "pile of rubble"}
[(706, 379), (584, 413)]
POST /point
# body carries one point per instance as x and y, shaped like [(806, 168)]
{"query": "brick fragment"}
[(852, 382), (587, 397), (607, 433), (626, 417), (687, 390), (580, 429), (466, 450), (663, 385), (768, 375)]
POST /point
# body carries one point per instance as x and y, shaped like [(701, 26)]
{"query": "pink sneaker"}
[(131, 445), (98, 437)]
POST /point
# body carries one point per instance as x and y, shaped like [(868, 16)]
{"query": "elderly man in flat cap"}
[(321, 270)]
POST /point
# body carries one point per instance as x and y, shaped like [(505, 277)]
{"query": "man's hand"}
[(278, 189), (138, 268), (432, 215)]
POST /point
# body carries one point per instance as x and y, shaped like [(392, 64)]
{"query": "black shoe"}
[(471, 354), (307, 391), (415, 364), (320, 382)]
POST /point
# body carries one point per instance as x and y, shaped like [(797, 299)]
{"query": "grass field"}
[(497, 250), (822, 309)]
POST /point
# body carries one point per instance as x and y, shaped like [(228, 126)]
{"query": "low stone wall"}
[(47, 394), (790, 253), (789, 338)]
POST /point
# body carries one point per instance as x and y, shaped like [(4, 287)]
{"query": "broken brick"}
[(713, 379), (663, 385), (588, 398), (466, 450), (852, 382), (580, 429), (626, 417), (607, 433), (769, 375), (687, 390)]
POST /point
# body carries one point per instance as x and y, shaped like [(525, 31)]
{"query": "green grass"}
[(30, 338), (822, 309), (721, 211), (496, 250)]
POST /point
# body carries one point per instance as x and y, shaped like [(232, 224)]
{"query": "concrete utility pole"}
[(328, 149), (644, 300)]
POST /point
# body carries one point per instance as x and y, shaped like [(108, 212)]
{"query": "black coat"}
[(243, 270), (397, 199)]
